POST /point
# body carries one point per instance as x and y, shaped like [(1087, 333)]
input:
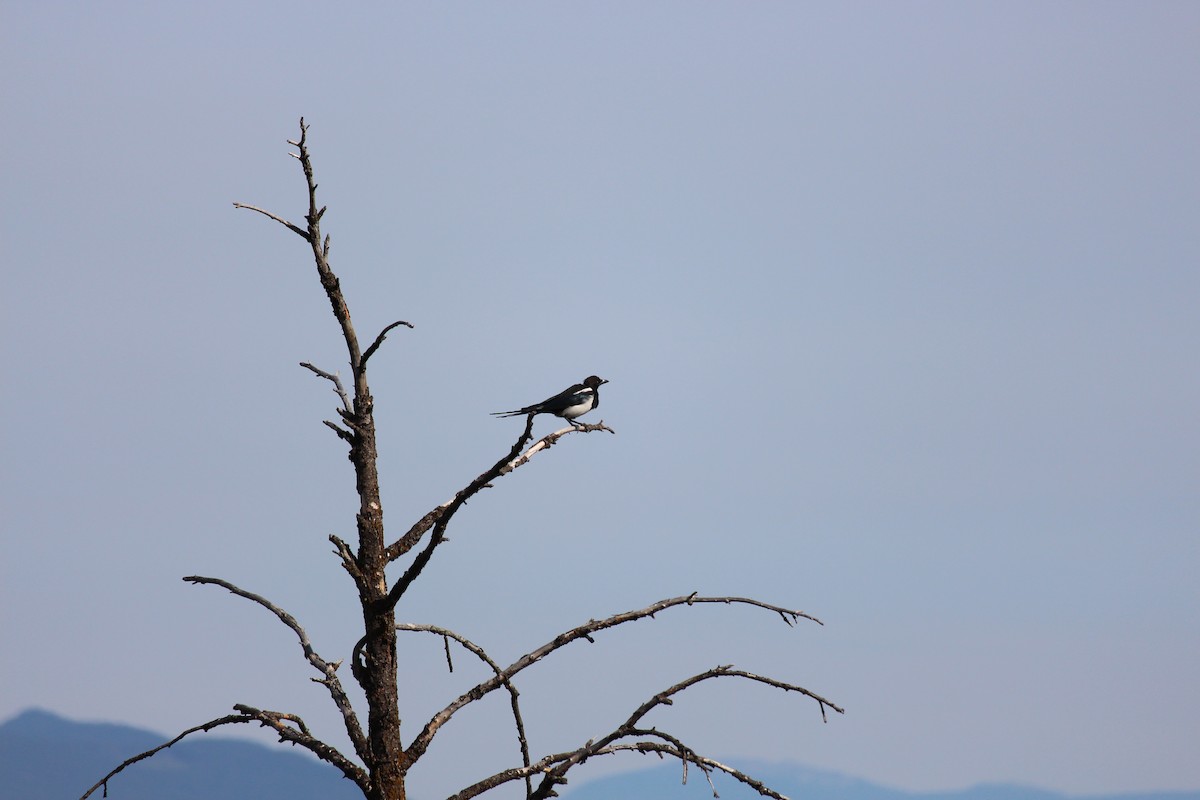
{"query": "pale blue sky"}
[(898, 303)]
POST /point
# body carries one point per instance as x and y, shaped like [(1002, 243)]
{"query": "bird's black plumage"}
[(572, 402)]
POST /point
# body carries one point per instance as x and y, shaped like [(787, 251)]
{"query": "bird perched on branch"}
[(570, 403)]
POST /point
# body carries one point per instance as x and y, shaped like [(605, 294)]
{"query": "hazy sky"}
[(898, 302)]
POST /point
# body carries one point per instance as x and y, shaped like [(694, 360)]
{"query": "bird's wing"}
[(564, 399), (551, 405)]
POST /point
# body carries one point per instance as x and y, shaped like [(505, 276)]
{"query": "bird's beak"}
[(602, 381)]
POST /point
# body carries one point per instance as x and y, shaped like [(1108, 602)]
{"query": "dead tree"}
[(381, 759)]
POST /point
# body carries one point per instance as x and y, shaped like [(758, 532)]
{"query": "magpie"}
[(570, 403)]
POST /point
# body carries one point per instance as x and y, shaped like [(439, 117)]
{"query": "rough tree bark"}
[(381, 761)]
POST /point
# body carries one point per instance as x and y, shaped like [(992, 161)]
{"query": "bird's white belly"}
[(582, 407)]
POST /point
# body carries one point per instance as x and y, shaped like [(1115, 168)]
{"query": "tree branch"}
[(447, 509), (273, 719), (686, 753), (550, 439), (514, 459), (349, 562), (558, 773), (329, 281), (704, 763), (440, 518), (370, 351), (516, 773), (337, 385), (423, 739), (554, 768), (294, 228), (328, 671), (514, 695), (300, 735), (215, 723), (672, 748)]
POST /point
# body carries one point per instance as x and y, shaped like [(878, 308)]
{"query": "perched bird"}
[(570, 403)]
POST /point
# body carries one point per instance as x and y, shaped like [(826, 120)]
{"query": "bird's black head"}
[(593, 381)]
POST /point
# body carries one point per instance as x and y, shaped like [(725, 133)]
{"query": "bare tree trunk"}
[(379, 682)]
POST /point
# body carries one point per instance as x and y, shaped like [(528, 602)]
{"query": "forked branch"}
[(336, 380), (514, 459)]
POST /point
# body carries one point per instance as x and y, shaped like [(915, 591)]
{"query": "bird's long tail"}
[(519, 412)]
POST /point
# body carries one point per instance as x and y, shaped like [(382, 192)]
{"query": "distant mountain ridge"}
[(46, 757)]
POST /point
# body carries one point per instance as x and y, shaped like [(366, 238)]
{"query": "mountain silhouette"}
[(46, 757)]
